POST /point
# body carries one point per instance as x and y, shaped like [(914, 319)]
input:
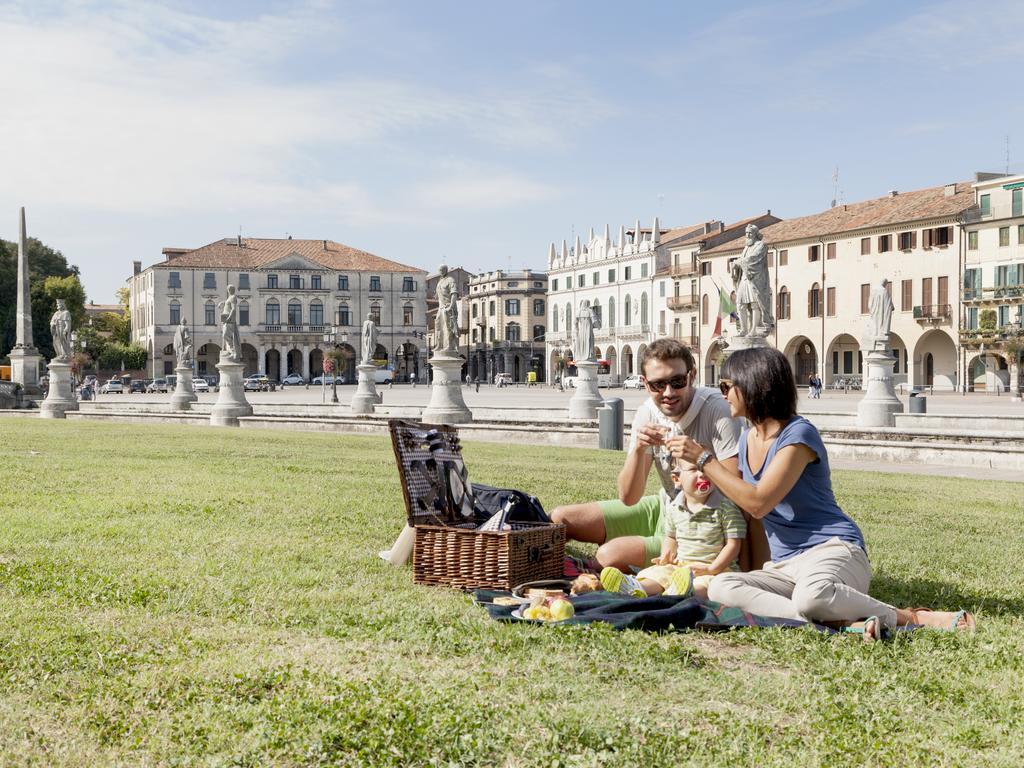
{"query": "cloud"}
[(138, 107), (482, 192)]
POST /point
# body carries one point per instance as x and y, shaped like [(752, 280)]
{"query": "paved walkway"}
[(546, 397)]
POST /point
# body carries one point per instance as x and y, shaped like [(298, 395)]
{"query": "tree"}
[(43, 262)]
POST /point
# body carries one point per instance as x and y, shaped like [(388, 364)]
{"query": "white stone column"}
[(261, 365), (305, 361)]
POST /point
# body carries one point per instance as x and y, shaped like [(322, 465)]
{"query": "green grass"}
[(188, 596)]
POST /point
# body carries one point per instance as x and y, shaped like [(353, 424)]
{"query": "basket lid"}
[(435, 482)]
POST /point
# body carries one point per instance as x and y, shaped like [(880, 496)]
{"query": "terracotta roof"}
[(257, 252), (891, 210)]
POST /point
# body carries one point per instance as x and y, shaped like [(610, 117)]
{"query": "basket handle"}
[(536, 553)]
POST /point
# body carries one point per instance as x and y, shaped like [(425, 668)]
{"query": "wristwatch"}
[(703, 459)]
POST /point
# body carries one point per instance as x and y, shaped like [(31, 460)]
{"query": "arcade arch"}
[(935, 361)]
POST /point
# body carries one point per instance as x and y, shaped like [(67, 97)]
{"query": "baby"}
[(703, 532)]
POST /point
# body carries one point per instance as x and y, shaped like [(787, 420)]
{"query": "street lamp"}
[(334, 336)]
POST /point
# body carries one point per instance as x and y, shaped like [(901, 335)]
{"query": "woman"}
[(819, 569)]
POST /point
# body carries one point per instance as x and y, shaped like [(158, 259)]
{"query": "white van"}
[(383, 376)]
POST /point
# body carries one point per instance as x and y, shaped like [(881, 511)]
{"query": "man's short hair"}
[(665, 350)]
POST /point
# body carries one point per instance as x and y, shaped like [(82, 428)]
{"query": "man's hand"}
[(650, 435)]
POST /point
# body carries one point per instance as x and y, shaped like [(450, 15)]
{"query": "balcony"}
[(693, 342), (683, 270), (604, 334), (681, 303), (1001, 294), (1002, 211), (934, 314), (636, 331), (553, 336)]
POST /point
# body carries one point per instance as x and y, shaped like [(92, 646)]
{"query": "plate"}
[(518, 614)]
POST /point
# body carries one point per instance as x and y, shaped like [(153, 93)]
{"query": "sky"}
[(477, 133)]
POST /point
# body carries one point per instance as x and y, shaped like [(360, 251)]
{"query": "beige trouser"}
[(828, 582)]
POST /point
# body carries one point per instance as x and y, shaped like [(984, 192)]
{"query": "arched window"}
[(596, 307), (704, 309), (643, 308), (538, 333), (568, 318), (512, 332), (294, 312), (627, 318), (243, 313), (175, 312), (554, 319), (814, 301), (316, 312), (611, 313), (273, 312), (211, 313), (783, 308), (407, 315)]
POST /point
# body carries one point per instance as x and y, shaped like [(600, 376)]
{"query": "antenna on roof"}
[(835, 187)]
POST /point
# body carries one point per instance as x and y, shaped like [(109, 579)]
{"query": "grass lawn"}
[(189, 596)]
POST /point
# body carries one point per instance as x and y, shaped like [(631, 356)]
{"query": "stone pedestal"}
[(61, 397), (184, 394), (880, 404), (754, 341), (586, 400), (446, 404), (366, 396), (231, 402), (25, 369)]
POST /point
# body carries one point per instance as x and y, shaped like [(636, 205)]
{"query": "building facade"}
[(292, 295), (992, 288), (506, 315), (822, 269)]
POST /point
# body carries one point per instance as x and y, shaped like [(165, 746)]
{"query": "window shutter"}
[(809, 307), (926, 238), (913, 239)]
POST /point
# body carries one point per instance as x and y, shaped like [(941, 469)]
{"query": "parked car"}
[(210, 379), (138, 385), (633, 382), (111, 387), (157, 385), (503, 379), (293, 379), (328, 379), (381, 376), (257, 383), (200, 385)]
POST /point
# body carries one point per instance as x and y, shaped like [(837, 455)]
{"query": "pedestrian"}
[(412, 378), (477, 382)]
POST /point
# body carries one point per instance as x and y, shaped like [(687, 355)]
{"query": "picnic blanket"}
[(653, 614)]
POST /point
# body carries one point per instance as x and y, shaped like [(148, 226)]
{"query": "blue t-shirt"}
[(808, 515)]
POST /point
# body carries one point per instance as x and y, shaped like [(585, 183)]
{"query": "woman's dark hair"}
[(766, 382)]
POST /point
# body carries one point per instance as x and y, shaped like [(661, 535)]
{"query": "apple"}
[(561, 609)]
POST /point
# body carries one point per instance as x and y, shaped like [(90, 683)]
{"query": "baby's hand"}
[(699, 569)]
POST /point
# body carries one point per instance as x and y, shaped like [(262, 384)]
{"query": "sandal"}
[(954, 624), (871, 628)]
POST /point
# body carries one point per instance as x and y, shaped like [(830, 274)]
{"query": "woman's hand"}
[(685, 447)]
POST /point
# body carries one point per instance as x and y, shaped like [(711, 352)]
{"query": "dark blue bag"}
[(490, 501)]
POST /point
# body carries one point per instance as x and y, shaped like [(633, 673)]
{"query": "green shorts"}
[(641, 519)]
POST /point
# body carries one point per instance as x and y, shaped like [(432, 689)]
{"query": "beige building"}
[(993, 285), (507, 322), (641, 287), (822, 269), (291, 293)]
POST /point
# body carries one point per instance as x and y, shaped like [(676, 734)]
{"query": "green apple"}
[(561, 609)]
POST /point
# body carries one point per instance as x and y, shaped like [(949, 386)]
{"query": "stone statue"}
[(183, 345), (880, 306), (446, 326), (753, 291), (369, 339), (229, 327), (586, 323), (60, 328)]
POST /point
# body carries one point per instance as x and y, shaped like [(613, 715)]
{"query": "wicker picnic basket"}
[(450, 548)]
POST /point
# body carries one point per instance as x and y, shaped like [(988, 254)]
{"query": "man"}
[(628, 528), (753, 291), (446, 323)]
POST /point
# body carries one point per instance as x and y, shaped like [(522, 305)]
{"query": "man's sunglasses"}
[(676, 382), (725, 385)]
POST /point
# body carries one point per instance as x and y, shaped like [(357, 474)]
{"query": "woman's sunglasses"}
[(725, 385)]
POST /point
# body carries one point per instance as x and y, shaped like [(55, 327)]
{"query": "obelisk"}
[(25, 357)]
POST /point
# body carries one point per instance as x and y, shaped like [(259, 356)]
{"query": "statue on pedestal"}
[(753, 290), (446, 326), (183, 345), (232, 348), (369, 345), (586, 323), (880, 307), (60, 328)]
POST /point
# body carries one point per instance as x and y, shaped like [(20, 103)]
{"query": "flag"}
[(725, 307)]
